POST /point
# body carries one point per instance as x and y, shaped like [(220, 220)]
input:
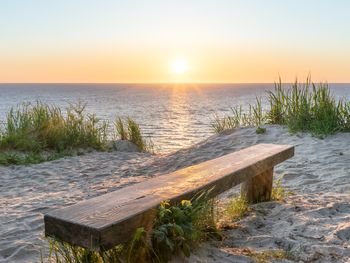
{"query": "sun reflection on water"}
[(179, 119)]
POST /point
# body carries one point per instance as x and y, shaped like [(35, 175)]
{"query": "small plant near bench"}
[(237, 208), (260, 130), (279, 192), (178, 229), (266, 256)]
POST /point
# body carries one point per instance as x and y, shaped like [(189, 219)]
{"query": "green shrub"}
[(180, 228)]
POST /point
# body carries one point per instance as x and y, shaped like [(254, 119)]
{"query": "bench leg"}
[(259, 188)]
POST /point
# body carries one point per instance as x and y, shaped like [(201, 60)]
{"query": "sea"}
[(174, 116)]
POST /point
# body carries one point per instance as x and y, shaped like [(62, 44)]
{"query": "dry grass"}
[(237, 208)]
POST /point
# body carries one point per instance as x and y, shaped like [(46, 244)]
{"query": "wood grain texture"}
[(110, 219), (258, 188)]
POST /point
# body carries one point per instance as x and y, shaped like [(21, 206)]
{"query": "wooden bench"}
[(105, 221)]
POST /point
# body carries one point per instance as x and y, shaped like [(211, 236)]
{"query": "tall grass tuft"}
[(303, 107), (38, 132), (239, 118), (277, 99), (122, 132), (129, 130), (37, 127)]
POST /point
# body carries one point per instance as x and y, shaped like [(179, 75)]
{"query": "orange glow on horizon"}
[(152, 66), (123, 41)]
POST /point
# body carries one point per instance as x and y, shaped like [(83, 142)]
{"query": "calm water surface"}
[(175, 116)]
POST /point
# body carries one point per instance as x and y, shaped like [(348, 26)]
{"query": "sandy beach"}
[(314, 223)]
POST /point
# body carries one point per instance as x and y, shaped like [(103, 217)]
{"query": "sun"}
[(179, 66)]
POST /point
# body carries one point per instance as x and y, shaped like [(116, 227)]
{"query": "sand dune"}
[(313, 224)]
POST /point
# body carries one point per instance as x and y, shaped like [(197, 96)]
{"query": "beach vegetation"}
[(267, 256), (237, 208), (128, 129), (303, 107), (39, 132), (16, 158), (134, 251), (121, 130), (35, 127), (254, 117), (178, 229), (279, 192), (260, 130)]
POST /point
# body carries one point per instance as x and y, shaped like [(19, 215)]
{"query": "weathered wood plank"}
[(104, 221), (258, 188)]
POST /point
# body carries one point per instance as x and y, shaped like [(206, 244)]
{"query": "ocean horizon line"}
[(157, 83)]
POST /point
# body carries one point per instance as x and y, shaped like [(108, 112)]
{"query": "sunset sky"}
[(174, 41)]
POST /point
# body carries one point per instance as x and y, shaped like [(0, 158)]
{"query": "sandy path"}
[(314, 224)]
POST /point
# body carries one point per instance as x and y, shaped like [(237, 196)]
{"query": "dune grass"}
[(254, 117), (303, 107), (38, 132), (128, 129), (37, 127)]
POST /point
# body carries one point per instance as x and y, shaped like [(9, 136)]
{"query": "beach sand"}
[(313, 224)]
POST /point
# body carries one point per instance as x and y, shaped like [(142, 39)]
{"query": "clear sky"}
[(143, 41)]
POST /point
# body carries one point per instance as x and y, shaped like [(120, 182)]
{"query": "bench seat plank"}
[(104, 221)]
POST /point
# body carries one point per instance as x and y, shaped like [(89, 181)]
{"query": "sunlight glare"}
[(179, 66)]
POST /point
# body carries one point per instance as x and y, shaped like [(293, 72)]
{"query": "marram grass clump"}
[(254, 117), (38, 132), (303, 107), (39, 126), (128, 129)]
